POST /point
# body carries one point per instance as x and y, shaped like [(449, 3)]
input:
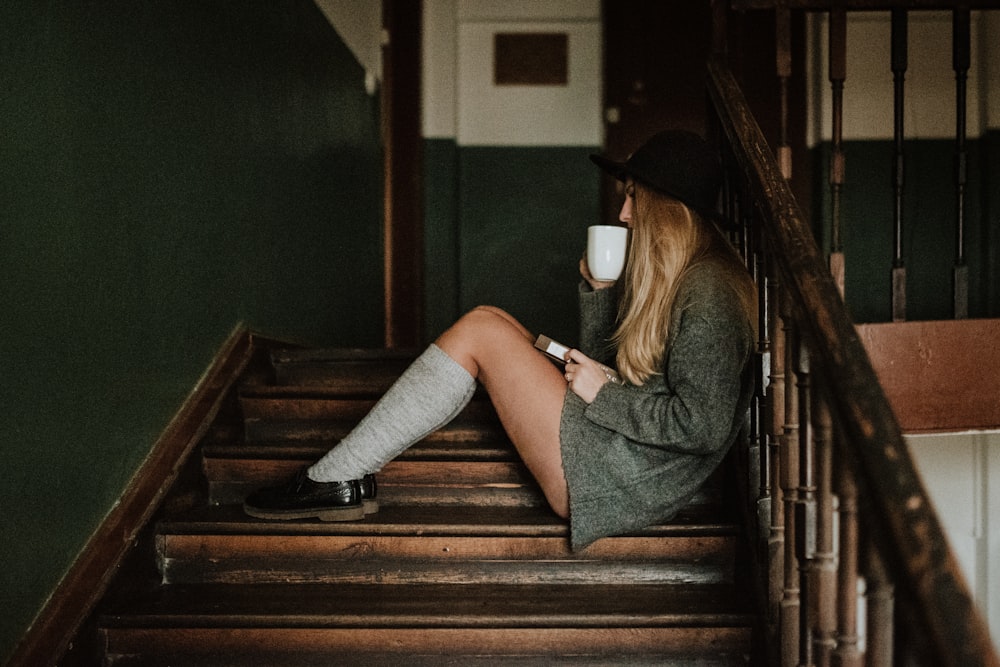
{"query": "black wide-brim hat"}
[(677, 163)]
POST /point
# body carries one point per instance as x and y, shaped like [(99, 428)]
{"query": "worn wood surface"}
[(938, 375), (464, 560)]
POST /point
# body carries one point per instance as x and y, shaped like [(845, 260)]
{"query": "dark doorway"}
[(654, 75)]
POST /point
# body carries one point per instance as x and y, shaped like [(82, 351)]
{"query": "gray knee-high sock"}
[(428, 395)]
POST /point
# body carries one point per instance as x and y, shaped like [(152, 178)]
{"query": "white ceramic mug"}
[(606, 245)]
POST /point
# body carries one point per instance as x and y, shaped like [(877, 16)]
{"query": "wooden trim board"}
[(938, 375), (87, 579)]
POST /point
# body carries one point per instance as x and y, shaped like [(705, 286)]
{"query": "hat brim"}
[(616, 169), (621, 172)]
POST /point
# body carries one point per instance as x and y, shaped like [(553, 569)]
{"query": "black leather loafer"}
[(302, 498), (369, 493)]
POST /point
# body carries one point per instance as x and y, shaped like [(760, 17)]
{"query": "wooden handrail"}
[(893, 507), (862, 5)]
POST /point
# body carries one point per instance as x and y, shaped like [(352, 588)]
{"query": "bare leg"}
[(526, 389)]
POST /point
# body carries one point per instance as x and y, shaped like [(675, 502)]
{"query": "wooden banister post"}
[(899, 64), (838, 74), (960, 63)]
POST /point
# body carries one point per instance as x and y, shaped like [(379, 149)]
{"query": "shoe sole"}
[(371, 506), (333, 514)]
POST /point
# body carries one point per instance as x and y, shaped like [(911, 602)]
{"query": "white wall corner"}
[(359, 24)]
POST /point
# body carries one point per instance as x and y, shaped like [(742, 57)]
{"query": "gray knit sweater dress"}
[(637, 454)]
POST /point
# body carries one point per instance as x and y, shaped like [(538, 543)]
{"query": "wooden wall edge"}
[(87, 579)]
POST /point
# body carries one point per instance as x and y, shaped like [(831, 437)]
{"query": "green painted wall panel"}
[(523, 216), (441, 234), (929, 236), (168, 170)]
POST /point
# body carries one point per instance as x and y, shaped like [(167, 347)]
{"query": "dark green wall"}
[(518, 217), (169, 169), (929, 238)]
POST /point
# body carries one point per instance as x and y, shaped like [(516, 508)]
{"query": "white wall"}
[(460, 98), (956, 469), (929, 94), (359, 24)]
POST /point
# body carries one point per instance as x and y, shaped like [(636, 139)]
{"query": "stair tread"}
[(433, 520), (429, 449), (433, 606)]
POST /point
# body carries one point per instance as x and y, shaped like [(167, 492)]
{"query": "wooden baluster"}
[(825, 567), (783, 63), (805, 508), (758, 408), (899, 64), (789, 459), (960, 63), (838, 74), (881, 606), (847, 653), (775, 428)]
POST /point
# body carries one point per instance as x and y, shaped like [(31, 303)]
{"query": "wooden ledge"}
[(938, 375)]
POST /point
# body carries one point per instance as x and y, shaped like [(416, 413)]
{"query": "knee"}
[(561, 508), (482, 317), (488, 313)]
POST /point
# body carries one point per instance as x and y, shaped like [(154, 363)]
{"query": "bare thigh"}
[(526, 389)]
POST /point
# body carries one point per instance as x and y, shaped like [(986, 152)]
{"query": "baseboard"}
[(46, 641)]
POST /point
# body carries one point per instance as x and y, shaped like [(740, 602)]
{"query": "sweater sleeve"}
[(598, 310), (693, 410)]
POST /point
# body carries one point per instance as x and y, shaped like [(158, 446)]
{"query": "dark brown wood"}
[(960, 63), (838, 74), (356, 644), (899, 64), (530, 59), (776, 395), (788, 459), (862, 5), (927, 369), (847, 653), (403, 147), (87, 580), (824, 569), (783, 65), (880, 611), (644, 89), (805, 508), (900, 511)]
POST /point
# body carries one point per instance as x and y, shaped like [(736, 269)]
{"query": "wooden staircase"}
[(463, 564)]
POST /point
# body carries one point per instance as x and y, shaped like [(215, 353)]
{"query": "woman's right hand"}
[(591, 280)]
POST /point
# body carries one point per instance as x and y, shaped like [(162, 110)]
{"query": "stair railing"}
[(852, 560)]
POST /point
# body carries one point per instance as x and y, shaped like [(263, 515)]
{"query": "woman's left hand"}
[(584, 375)]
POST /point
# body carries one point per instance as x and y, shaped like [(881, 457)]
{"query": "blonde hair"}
[(668, 238)]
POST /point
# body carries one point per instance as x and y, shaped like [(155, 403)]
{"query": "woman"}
[(611, 457)]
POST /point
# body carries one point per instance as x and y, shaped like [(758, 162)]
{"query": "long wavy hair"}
[(667, 239)]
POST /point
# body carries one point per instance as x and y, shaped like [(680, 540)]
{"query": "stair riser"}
[(396, 572), (284, 406), (503, 484), (406, 472), (274, 430), (451, 559), (350, 645), (392, 495)]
